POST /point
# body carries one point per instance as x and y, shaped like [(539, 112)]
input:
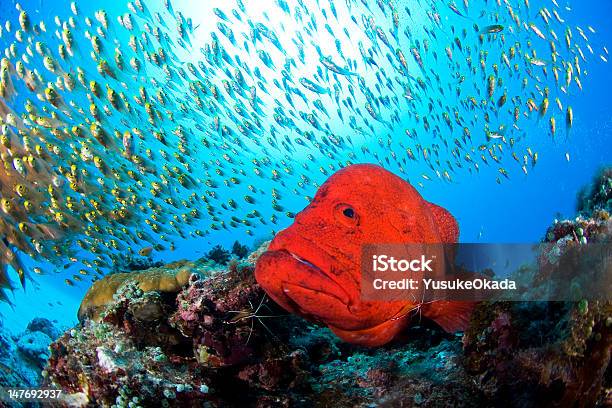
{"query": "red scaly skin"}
[(313, 268)]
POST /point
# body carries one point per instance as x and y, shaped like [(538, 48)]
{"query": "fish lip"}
[(339, 292), (304, 261), (297, 244), (327, 275)]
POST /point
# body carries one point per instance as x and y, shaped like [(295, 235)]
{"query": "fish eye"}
[(346, 215)]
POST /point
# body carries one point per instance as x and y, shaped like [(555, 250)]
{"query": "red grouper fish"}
[(313, 268)]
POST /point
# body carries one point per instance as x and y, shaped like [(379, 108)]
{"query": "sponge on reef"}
[(168, 278)]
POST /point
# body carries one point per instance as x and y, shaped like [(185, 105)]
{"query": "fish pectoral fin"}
[(452, 316), (447, 225), (372, 336)]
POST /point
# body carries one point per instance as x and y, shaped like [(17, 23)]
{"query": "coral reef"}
[(168, 278), (204, 344), (131, 262), (220, 341), (14, 370), (541, 352), (45, 326), (219, 314), (23, 356), (241, 251), (550, 353), (598, 196), (35, 347), (219, 255)]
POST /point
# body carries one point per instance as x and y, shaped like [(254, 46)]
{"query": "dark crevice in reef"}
[(598, 195), (220, 341)]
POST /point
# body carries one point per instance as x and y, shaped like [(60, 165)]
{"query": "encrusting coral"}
[(168, 278)]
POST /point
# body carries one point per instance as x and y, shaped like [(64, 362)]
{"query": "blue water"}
[(518, 209)]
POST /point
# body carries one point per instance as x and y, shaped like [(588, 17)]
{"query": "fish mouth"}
[(335, 290), (304, 261), (300, 286)]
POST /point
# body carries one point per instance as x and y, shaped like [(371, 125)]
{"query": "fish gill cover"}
[(128, 129)]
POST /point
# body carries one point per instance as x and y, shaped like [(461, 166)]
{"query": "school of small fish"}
[(120, 133)]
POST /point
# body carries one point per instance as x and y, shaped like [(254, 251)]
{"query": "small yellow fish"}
[(146, 251)]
